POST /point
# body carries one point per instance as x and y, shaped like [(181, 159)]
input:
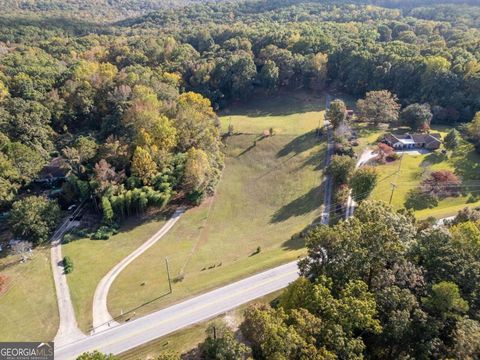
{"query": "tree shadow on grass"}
[(254, 144), (433, 158), (317, 159), (282, 103), (296, 242), (466, 164), (303, 205), (300, 144)]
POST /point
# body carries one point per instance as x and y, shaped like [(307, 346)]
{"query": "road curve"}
[(102, 319), (123, 337)]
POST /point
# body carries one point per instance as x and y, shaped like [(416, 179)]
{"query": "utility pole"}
[(168, 275), (391, 195), (399, 165), (394, 186)]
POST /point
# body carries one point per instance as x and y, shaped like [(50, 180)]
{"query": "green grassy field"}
[(92, 259), (287, 112), (28, 309), (408, 173), (267, 193)]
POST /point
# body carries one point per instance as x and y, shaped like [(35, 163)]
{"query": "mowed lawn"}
[(93, 259), (268, 192), (28, 309), (409, 172), (285, 112)]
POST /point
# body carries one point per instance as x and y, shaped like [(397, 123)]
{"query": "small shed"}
[(56, 170)]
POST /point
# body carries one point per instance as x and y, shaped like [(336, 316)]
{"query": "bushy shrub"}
[(68, 237), (341, 149), (341, 196), (81, 233), (418, 200), (67, 265), (195, 197), (104, 233)]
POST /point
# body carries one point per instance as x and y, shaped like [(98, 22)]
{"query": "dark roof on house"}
[(417, 138), (56, 168)]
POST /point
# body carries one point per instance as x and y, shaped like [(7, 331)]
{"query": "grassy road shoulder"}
[(28, 307)]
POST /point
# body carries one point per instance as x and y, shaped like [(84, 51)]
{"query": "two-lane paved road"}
[(200, 308)]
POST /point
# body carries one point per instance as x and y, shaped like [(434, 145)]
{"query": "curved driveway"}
[(102, 319)]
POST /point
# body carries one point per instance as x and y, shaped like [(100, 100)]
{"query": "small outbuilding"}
[(56, 170)]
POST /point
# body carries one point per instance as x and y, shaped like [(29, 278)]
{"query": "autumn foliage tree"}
[(106, 177), (384, 151), (336, 113), (441, 183), (197, 171), (143, 165), (378, 107)]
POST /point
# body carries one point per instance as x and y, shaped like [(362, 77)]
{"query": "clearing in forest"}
[(270, 190)]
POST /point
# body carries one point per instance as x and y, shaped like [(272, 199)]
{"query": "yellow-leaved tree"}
[(143, 165), (197, 170), (150, 129)]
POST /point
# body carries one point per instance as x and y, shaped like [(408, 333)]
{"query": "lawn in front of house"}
[(93, 259), (408, 172), (28, 308), (270, 190)]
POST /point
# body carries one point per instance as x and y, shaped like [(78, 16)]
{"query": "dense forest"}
[(126, 101), (129, 104), (377, 286)]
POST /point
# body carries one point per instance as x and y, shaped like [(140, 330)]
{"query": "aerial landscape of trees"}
[(127, 103), (133, 94)]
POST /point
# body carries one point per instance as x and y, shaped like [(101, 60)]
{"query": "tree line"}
[(131, 104), (379, 285)]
